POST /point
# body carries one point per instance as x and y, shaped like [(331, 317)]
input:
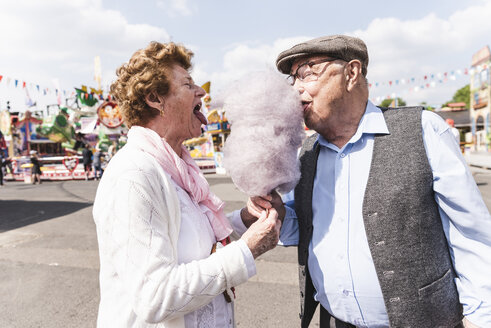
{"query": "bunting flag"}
[(87, 98), (425, 81)]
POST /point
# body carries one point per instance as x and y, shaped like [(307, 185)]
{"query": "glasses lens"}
[(303, 71), (290, 79)]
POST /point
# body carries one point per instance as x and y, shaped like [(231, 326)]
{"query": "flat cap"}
[(341, 47)]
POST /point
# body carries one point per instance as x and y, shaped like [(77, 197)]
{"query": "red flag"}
[(1, 77), (23, 84)]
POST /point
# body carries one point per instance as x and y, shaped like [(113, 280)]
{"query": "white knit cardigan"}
[(137, 215)]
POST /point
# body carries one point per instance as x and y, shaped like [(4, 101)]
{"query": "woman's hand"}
[(263, 234)]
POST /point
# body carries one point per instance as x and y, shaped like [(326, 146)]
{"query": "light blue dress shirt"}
[(340, 262)]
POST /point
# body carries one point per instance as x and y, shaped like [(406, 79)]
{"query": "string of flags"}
[(413, 84), (88, 96), (16, 83), (426, 81)]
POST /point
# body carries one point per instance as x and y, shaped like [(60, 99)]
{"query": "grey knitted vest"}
[(403, 228)]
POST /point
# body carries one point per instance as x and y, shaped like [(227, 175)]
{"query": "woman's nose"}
[(201, 91)]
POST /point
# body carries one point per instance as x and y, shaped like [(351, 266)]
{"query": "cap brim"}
[(284, 64)]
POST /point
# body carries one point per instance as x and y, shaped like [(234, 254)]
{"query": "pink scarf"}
[(186, 173)]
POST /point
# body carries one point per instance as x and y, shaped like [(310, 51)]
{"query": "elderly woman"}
[(158, 223)]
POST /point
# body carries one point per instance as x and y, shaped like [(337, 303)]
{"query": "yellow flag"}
[(206, 86)]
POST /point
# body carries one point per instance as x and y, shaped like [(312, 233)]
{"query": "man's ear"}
[(353, 73), (154, 101)]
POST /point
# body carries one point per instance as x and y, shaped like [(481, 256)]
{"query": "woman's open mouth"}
[(199, 115)]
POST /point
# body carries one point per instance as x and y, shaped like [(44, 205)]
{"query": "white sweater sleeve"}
[(139, 241)]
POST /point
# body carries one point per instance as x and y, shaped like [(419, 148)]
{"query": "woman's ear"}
[(154, 101)]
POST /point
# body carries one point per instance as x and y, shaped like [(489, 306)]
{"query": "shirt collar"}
[(372, 122)]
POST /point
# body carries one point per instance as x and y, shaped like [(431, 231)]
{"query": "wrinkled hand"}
[(263, 234), (256, 205)]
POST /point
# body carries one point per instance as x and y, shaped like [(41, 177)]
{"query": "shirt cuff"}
[(248, 258), (236, 222), (289, 234), (290, 213)]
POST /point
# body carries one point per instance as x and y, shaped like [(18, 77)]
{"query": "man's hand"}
[(263, 234), (256, 205)]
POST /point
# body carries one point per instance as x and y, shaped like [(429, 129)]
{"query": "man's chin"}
[(309, 124)]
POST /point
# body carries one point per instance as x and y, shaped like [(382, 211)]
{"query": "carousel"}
[(57, 138)]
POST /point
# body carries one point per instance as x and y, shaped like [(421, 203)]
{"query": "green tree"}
[(387, 102), (461, 95), (428, 107)]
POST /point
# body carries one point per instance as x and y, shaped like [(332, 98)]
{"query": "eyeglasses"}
[(308, 71)]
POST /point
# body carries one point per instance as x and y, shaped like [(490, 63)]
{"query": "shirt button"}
[(345, 292), (343, 155)]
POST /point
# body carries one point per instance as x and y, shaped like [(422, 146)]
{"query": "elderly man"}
[(390, 226)]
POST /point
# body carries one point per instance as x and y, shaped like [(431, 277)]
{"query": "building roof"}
[(457, 104), (461, 118)]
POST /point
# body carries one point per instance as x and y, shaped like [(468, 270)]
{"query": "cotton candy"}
[(266, 119)]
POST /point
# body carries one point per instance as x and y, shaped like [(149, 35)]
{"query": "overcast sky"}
[(52, 43)]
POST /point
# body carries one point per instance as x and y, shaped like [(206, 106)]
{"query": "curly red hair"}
[(148, 70)]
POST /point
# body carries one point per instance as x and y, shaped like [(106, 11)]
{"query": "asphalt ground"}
[(49, 261)]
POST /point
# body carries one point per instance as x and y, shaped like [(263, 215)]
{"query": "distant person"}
[(455, 131), (3, 146), (36, 167), (2, 161), (87, 160), (166, 254), (98, 157), (111, 151), (79, 141)]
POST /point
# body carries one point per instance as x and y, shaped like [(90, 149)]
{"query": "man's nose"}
[(299, 87)]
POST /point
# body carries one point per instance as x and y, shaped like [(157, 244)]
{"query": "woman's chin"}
[(195, 133)]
